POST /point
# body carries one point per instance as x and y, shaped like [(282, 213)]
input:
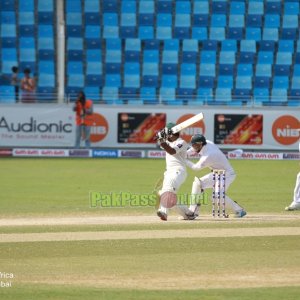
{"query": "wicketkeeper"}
[(211, 157)]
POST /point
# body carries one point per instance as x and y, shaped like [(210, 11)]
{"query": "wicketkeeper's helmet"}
[(198, 139)]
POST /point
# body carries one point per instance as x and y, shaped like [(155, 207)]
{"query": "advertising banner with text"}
[(135, 127)]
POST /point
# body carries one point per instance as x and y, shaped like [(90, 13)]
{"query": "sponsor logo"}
[(79, 153), (33, 126), (255, 155), (285, 130), (292, 156), (99, 128), (5, 152), (197, 128), (131, 153), (105, 153), (156, 154)]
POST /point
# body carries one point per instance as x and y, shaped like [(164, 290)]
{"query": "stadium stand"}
[(158, 51)]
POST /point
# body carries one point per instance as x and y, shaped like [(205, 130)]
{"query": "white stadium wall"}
[(53, 126)]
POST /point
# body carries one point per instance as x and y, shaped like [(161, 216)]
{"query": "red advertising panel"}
[(238, 129), (139, 127)]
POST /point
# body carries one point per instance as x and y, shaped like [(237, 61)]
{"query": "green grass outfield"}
[(262, 266)]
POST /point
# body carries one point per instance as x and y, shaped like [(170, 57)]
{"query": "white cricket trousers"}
[(173, 179), (206, 182), (296, 198)]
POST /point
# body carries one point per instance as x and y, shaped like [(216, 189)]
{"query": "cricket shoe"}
[(293, 206), (240, 213), (163, 216), (192, 215)]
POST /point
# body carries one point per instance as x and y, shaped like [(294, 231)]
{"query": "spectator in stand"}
[(28, 87), (15, 81)]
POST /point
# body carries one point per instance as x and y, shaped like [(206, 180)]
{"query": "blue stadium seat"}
[(282, 70), (164, 6), (110, 6), (93, 43), (8, 17), (91, 6), (7, 94), (46, 17), (219, 7), (187, 96), (199, 33), (92, 31), (207, 69), (92, 92), (146, 6), (148, 95), (187, 82), (272, 21), (26, 54), (244, 70), (110, 32), (243, 95), (150, 81), (290, 21), (289, 33), (236, 21), (286, 46), (200, 20), (246, 57), (248, 46), (218, 20), (207, 82), (132, 50), (182, 7), (217, 33), (223, 95), (227, 57), (262, 82), (131, 68), (7, 5), (254, 21), (26, 5), (235, 33), (110, 94), (208, 57), (273, 7), (146, 32), (93, 80), (253, 33), (132, 81), (265, 57), (73, 6), (169, 81), (260, 96), (73, 31), (163, 33), (167, 96), (74, 18), (280, 82), (164, 20), (8, 30), (229, 45), (47, 80), (151, 56), (128, 6), (296, 71), (146, 19), (243, 82), (204, 95), (28, 43), (291, 8), (113, 44), (110, 19), (74, 55), (113, 80), (91, 18), (150, 69), (189, 50), (201, 7), (295, 82), (94, 68), (188, 69), (172, 45), (270, 34), (26, 18), (210, 45), (75, 67), (256, 7), (284, 58), (279, 95), (237, 8), (45, 5), (45, 31), (267, 46), (263, 70), (225, 82), (226, 69)]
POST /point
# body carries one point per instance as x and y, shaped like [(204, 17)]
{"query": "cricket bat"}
[(187, 123)]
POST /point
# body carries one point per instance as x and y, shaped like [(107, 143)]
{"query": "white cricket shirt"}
[(211, 157), (177, 160)]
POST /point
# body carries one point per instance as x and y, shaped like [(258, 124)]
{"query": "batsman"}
[(175, 174), (211, 157)]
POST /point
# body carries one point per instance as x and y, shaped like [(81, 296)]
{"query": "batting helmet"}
[(198, 139), (170, 125)]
